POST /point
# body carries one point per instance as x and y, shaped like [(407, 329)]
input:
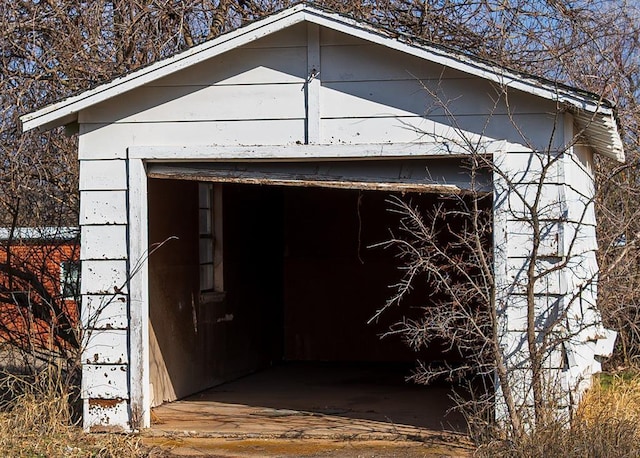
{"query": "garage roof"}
[(593, 114)]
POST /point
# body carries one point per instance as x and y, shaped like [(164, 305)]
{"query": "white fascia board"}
[(457, 61), (66, 110)]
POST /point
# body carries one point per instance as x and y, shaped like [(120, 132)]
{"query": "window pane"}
[(70, 279), (206, 251), (206, 277), (205, 222), (204, 195)]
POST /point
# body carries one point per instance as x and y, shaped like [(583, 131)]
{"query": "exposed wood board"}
[(139, 296), (424, 177), (298, 182), (201, 103), (433, 171), (110, 141), (104, 381), (105, 346), (103, 207), (104, 242), (104, 311), (103, 277), (311, 152), (312, 87), (104, 175)]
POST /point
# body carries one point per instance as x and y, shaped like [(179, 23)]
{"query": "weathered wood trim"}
[(314, 152), (139, 296), (312, 87), (423, 176), (369, 186)]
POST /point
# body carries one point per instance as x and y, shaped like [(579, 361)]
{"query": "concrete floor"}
[(313, 401)]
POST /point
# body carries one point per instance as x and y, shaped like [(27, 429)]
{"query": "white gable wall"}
[(360, 94)]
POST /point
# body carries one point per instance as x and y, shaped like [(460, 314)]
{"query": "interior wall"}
[(195, 345), (173, 289), (335, 281)]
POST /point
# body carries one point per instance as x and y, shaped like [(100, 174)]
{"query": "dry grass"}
[(37, 420), (606, 424)]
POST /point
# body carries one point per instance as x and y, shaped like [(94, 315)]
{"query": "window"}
[(210, 239), (70, 280)]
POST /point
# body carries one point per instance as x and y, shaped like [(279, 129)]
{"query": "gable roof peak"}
[(592, 112)]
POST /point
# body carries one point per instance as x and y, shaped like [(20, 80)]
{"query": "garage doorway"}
[(287, 343)]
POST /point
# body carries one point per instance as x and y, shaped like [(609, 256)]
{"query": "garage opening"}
[(271, 331)]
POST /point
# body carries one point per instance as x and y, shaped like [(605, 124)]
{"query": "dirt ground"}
[(442, 446)]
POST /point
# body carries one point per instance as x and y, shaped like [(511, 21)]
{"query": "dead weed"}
[(606, 424), (37, 419)]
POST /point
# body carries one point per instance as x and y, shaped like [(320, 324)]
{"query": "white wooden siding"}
[(202, 103), (107, 175), (113, 242), (100, 311), (548, 307), (367, 94), (103, 277), (103, 207), (107, 141), (106, 346), (362, 81), (105, 381)]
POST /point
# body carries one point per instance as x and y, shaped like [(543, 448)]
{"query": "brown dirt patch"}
[(454, 446)]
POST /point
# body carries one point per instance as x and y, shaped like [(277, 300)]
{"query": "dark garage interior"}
[(290, 330)]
